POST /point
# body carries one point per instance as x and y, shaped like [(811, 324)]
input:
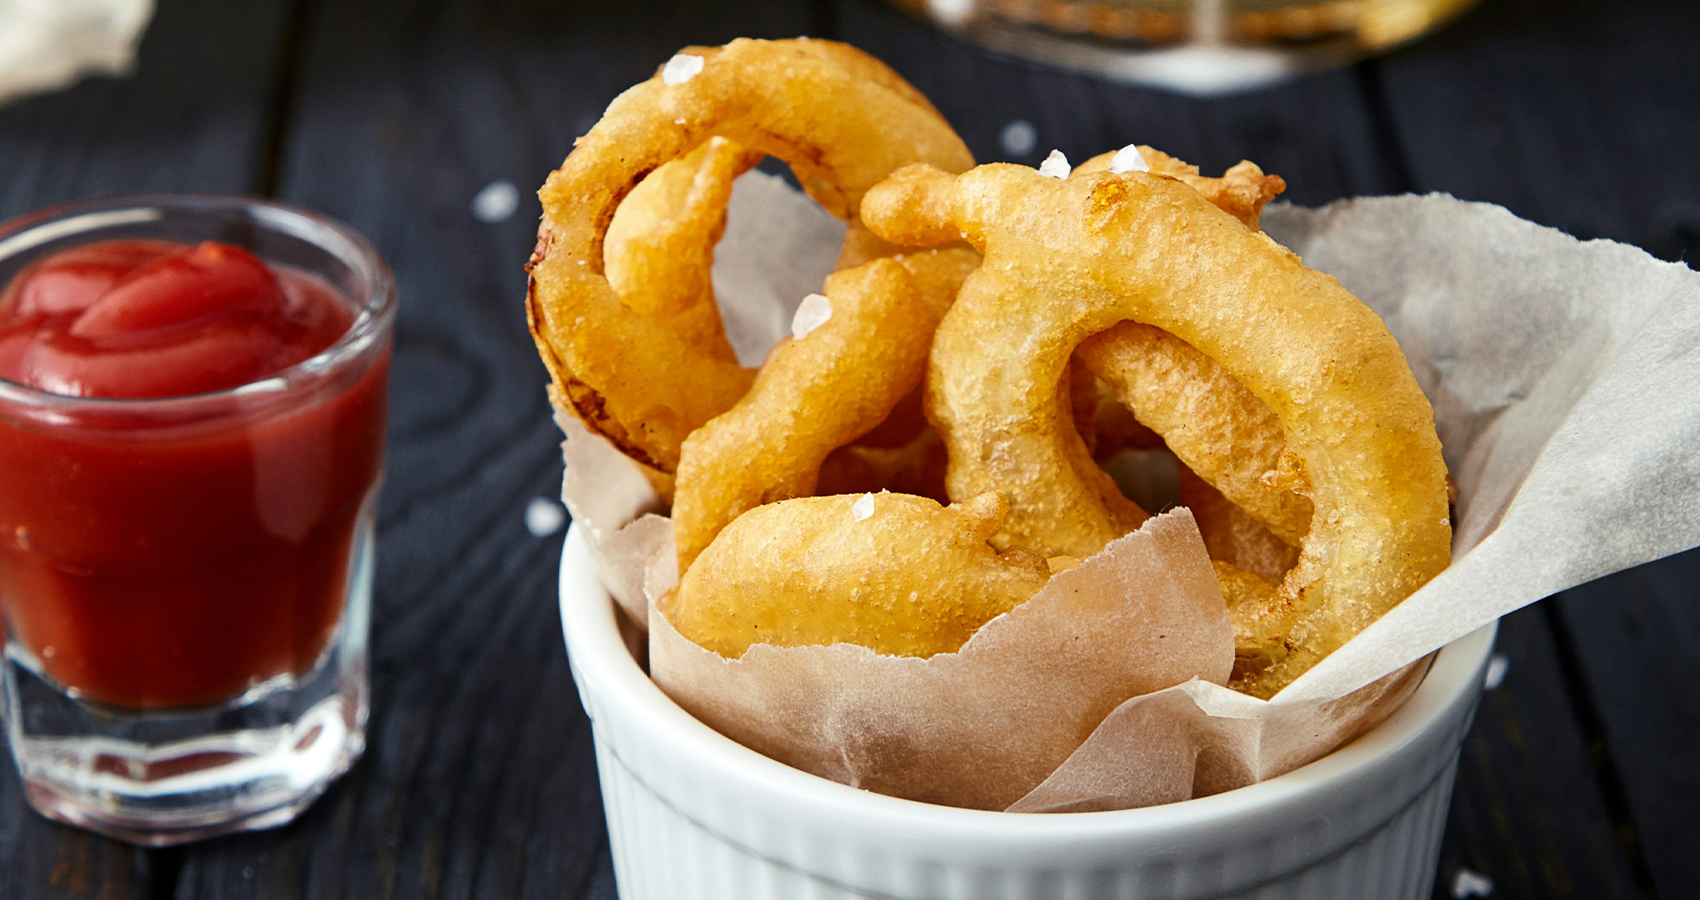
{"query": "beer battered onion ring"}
[(659, 251), (1212, 424), (816, 392), (1241, 192), (839, 117), (897, 574), (1071, 258)]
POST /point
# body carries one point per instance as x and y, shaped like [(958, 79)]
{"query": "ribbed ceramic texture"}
[(660, 854), (693, 816)]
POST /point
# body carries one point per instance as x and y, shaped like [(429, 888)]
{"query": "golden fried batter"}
[(900, 575)]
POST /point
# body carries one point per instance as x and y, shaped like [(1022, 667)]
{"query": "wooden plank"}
[(193, 116), (479, 778), (39, 859), (1588, 127), (1527, 812), (1578, 115), (1635, 638)]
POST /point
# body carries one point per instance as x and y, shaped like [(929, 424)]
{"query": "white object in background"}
[(694, 816), (544, 517), (1018, 138), (496, 202), (48, 44)]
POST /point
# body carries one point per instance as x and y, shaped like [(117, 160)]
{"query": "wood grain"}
[(1577, 115), (193, 117), (479, 780), (1582, 116), (1635, 639), (1528, 812)]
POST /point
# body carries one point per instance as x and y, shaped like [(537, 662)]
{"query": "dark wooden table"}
[(1581, 776)]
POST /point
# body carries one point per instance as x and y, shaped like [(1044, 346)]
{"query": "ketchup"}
[(178, 559)]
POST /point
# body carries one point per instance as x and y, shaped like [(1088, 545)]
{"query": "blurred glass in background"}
[(1193, 46)]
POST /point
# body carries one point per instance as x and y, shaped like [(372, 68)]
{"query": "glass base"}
[(167, 794), (163, 777)]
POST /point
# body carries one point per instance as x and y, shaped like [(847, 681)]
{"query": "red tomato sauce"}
[(166, 562)]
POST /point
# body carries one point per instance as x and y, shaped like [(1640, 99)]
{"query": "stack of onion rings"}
[(1070, 258), (1114, 308)]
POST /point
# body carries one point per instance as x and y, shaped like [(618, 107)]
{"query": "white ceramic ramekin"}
[(692, 814)]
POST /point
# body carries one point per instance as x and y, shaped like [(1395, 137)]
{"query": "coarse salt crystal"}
[(812, 313), (497, 202), (862, 508), (544, 517), (1466, 883), (681, 68), (1055, 166), (1128, 159)]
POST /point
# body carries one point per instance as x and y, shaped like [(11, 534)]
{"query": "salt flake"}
[(1055, 166), (1128, 159), (496, 202), (544, 517), (681, 68), (862, 508), (1466, 883), (812, 313)]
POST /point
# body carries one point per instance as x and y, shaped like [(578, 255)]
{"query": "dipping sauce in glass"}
[(178, 552)]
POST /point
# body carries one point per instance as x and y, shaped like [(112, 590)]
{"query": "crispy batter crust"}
[(1069, 259), (900, 575), (816, 394), (842, 119)]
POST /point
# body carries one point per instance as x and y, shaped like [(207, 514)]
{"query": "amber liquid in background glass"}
[(1146, 24)]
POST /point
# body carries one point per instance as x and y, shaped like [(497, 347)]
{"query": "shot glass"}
[(185, 582)]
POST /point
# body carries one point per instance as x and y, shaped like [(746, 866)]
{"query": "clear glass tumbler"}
[(1195, 46), (185, 582)]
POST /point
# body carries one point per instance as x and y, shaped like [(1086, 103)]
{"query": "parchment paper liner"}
[(1564, 378)]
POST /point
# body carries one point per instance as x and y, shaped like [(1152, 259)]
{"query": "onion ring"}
[(816, 393), (1241, 192), (913, 468), (1211, 423), (1070, 258), (1231, 535), (841, 118), (897, 574), (659, 251)]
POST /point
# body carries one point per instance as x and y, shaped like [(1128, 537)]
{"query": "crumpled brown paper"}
[(982, 726), (1565, 378)]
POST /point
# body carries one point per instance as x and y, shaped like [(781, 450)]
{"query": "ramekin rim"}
[(608, 663)]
